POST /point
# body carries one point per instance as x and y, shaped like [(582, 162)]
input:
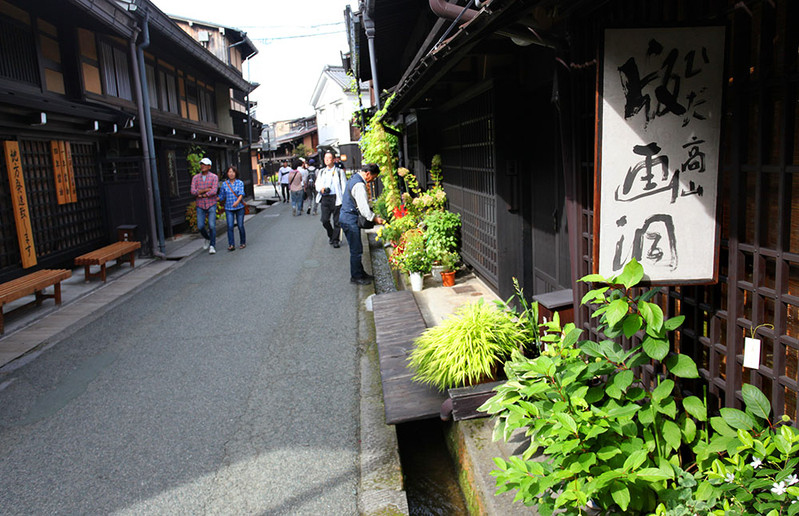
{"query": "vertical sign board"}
[(63, 172), (19, 202), (58, 172), (660, 135), (70, 173)]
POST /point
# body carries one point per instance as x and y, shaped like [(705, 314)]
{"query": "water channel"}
[(431, 480)]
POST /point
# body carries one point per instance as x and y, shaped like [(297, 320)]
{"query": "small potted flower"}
[(449, 261), (413, 258)]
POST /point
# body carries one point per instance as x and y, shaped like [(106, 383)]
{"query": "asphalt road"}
[(229, 386)]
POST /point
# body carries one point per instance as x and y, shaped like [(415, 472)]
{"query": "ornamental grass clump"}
[(467, 348)]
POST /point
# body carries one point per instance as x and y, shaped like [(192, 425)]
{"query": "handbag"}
[(365, 223)]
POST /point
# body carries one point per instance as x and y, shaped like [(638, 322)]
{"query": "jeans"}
[(312, 201), (238, 217), (353, 233), (296, 201), (211, 214), (330, 210)]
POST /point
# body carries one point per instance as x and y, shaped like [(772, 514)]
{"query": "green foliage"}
[(607, 438), (527, 315), (467, 347), (749, 464), (393, 231), (410, 255), (302, 150), (449, 260), (627, 448), (436, 173), (441, 234), (380, 147), (195, 154)]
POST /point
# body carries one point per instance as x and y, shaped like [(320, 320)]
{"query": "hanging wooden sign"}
[(58, 172), (70, 173), (19, 202), (63, 172), (660, 114)]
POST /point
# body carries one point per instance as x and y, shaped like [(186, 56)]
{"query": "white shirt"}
[(284, 175), (361, 198), (332, 178)]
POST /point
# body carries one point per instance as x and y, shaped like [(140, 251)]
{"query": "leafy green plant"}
[(380, 146), (195, 154), (441, 233), (527, 314), (749, 464), (467, 347), (607, 438), (449, 260), (410, 255), (436, 173)]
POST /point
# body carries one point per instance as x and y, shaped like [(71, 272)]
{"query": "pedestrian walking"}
[(356, 202), (296, 188), (232, 193), (310, 188), (204, 186), (330, 184), (283, 178)]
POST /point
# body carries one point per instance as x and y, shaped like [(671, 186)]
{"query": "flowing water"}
[(431, 481)]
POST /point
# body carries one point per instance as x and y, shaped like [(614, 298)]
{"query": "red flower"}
[(400, 212)]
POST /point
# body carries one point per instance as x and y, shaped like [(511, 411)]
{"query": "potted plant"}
[(441, 237), (469, 347), (448, 262), (410, 257)]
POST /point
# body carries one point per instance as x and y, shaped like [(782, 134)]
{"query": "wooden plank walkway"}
[(398, 322)]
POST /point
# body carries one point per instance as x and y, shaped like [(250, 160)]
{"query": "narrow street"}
[(228, 386)]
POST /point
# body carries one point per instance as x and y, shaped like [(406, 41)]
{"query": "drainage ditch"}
[(431, 480)]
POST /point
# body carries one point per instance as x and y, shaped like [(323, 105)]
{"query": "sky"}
[(286, 66)]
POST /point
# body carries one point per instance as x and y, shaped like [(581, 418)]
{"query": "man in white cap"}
[(204, 187)]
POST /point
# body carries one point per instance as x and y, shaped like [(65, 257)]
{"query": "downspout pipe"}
[(369, 27), (145, 144), (148, 127)]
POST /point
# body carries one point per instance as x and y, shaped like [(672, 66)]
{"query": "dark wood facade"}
[(67, 73), (516, 128)]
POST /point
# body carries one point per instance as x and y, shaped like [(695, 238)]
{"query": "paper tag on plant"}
[(752, 353)]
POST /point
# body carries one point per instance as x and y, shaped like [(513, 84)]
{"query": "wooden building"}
[(68, 73), (509, 93)]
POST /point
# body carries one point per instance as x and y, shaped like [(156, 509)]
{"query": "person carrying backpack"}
[(310, 188)]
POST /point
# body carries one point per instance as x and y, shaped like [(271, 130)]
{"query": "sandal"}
[(242, 246), (231, 248)]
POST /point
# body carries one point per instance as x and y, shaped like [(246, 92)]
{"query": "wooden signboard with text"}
[(657, 182), (19, 202), (63, 171)]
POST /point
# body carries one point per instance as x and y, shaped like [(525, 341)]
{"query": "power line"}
[(267, 40), (270, 27)]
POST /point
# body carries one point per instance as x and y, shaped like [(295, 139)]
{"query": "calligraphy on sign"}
[(63, 172), (660, 134), (19, 202)]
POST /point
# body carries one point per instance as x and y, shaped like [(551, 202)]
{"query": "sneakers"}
[(336, 245), (211, 250), (206, 243)]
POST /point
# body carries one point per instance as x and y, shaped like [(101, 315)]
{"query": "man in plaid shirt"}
[(204, 187)]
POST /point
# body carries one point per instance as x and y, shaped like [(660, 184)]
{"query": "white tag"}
[(752, 353)]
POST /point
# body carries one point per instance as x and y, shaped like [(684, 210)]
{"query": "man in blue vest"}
[(355, 201)]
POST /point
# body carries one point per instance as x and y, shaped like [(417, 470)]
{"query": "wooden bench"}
[(119, 251), (33, 283)]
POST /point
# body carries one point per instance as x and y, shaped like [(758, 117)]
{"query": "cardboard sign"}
[(19, 202), (660, 115)]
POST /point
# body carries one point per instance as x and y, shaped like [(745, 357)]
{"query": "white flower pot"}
[(437, 272), (417, 281)]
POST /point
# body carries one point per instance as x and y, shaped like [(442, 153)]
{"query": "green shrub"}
[(467, 347)]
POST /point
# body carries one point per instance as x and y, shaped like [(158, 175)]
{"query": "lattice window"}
[(467, 150), (18, 58)]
